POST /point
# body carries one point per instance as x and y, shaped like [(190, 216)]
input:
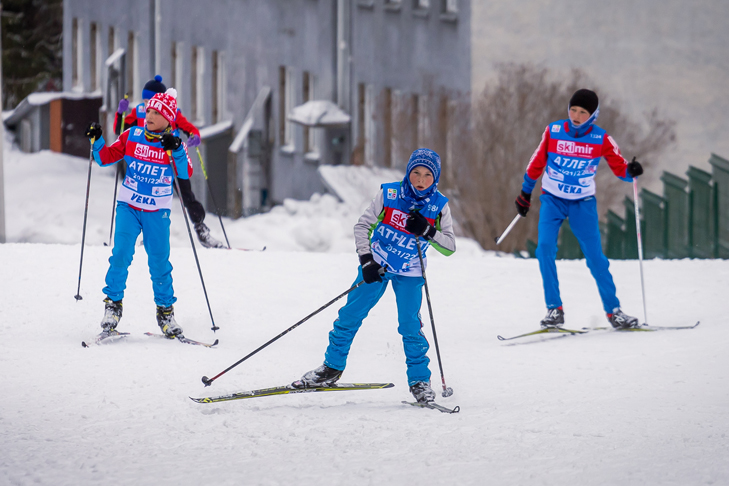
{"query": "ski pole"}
[(640, 245), (447, 391), (208, 381), (116, 184), (210, 191), (192, 242), (499, 239), (86, 213)]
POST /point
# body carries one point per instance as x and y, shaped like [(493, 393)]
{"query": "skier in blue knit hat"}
[(385, 238)]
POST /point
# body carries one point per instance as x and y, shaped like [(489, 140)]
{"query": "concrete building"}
[(242, 67)]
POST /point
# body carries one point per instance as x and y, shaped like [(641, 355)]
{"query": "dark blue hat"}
[(153, 87)]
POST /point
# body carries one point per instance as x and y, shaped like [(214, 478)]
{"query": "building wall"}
[(664, 54), (388, 49)]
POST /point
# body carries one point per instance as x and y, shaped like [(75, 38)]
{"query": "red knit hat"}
[(165, 104)]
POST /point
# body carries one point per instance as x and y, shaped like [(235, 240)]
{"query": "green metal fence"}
[(690, 220), (720, 175)]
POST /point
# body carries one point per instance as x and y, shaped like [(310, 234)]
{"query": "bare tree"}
[(492, 149)]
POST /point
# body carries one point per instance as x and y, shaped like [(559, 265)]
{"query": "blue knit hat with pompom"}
[(153, 87)]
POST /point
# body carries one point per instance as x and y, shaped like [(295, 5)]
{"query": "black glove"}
[(634, 168), (170, 142), (419, 226), (523, 203), (93, 131), (370, 269)]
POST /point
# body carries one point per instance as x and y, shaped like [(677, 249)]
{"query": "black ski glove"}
[(370, 269), (94, 131), (419, 226), (523, 203), (634, 168), (170, 142)]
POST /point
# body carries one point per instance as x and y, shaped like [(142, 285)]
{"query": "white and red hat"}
[(165, 104)]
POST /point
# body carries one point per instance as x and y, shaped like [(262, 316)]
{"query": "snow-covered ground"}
[(601, 408)]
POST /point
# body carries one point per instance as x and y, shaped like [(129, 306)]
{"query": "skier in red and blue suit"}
[(144, 204), (385, 238), (570, 152)]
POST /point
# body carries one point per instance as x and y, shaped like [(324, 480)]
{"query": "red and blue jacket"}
[(149, 178), (571, 161)]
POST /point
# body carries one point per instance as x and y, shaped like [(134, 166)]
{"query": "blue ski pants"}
[(155, 228), (582, 214), (409, 296)]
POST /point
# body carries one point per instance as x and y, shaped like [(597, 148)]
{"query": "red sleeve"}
[(184, 125), (539, 158), (614, 158), (114, 152)]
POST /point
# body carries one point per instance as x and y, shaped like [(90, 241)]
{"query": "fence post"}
[(615, 237), (720, 174), (653, 219), (676, 215), (630, 247), (699, 224)]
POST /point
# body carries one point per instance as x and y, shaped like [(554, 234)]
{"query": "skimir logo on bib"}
[(572, 148)]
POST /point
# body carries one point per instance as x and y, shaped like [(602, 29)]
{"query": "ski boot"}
[(554, 318), (166, 321), (112, 314), (422, 392), (619, 320), (322, 376), (203, 234)]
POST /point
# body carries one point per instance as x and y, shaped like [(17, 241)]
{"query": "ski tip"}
[(501, 338), (214, 344), (84, 345)]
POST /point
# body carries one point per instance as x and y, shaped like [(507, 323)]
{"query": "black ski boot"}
[(322, 376), (619, 320), (112, 314), (166, 321), (203, 234), (554, 318), (422, 392)]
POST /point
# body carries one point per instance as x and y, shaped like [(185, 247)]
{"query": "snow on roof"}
[(319, 113), (356, 185)]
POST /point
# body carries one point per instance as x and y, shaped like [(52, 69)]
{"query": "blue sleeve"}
[(181, 162), (98, 145), (528, 184)]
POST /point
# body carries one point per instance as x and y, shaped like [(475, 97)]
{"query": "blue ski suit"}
[(143, 206)]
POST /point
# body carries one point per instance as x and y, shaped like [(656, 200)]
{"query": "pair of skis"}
[(107, 337), (585, 330), (290, 390)]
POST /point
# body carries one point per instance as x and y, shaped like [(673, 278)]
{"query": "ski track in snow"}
[(603, 408)]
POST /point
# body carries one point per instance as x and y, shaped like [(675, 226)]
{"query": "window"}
[(75, 53), (94, 54), (387, 127), (449, 10), (132, 65), (286, 104), (218, 87), (369, 125), (173, 65), (421, 4), (393, 5), (111, 42), (197, 94), (309, 94)]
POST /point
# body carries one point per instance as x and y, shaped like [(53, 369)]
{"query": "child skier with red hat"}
[(144, 205), (570, 151), (136, 118)]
